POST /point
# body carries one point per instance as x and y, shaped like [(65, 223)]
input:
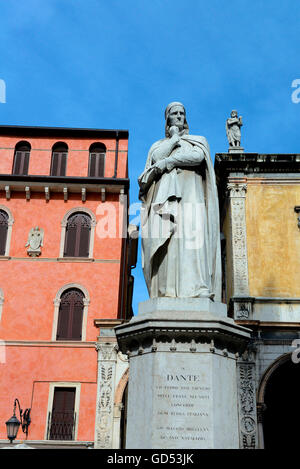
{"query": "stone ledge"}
[(186, 305)]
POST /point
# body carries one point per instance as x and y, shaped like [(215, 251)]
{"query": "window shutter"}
[(84, 244), (70, 315), (63, 166), (64, 399), (77, 320), (63, 321), (21, 162), (59, 163), (17, 162), (62, 420), (97, 164), (70, 241), (54, 165), (77, 242), (92, 169), (100, 165), (3, 231), (25, 162)]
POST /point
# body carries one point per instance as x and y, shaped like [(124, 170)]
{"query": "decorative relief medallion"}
[(35, 241), (243, 312)]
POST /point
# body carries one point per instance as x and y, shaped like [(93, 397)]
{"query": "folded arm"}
[(192, 158)]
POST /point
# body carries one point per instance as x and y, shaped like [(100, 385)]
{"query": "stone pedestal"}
[(236, 150), (183, 379)]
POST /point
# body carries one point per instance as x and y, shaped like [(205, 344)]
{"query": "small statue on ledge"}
[(35, 241), (233, 131)]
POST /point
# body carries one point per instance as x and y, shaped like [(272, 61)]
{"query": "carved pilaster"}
[(247, 403), (237, 196), (107, 359), (261, 407)]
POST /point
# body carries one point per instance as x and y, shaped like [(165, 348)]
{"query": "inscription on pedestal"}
[(182, 407)]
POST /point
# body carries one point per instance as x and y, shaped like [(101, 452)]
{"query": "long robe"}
[(233, 131), (180, 222)]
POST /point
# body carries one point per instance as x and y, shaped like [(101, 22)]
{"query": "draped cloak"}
[(194, 272)]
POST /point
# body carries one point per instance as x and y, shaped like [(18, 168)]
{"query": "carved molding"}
[(10, 223), (107, 358), (121, 388), (247, 403), (169, 341), (237, 196)]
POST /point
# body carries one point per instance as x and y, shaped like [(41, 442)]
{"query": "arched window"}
[(21, 158), (3, 231), (59, 159), (97, 160), (77, 240), (67, 226), (70, 314)]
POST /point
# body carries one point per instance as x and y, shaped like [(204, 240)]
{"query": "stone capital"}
[(107, 351), (237, 189)]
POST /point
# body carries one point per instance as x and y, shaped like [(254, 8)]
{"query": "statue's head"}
[(175, 115), (234, 113)]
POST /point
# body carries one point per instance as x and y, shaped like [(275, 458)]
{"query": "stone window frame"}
[(64, 384), (10, 223), (56, 301), (64, 222), (1, 305)]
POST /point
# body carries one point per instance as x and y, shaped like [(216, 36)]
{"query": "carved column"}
[(239, 257), (107, 359), (247, 402)]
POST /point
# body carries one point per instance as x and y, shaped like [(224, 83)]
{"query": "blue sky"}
[(118, 63)]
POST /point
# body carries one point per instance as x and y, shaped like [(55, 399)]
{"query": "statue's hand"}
[(160, 165), (174, 130)]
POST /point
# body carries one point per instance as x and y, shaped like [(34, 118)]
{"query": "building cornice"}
[(36, 131), (249, 163), (62, 184), (253, 168)]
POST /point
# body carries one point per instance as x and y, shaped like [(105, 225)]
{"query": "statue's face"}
[(177, 117), (234, 114)]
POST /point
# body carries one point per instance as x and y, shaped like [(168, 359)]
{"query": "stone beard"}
[(180, 215)]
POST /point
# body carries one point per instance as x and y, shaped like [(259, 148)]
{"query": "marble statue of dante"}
[(233, 129), (180, 214)]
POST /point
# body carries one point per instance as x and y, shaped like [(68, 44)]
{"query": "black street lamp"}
[(12, 425)]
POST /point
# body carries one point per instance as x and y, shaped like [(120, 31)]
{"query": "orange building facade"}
[(65, 277)]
